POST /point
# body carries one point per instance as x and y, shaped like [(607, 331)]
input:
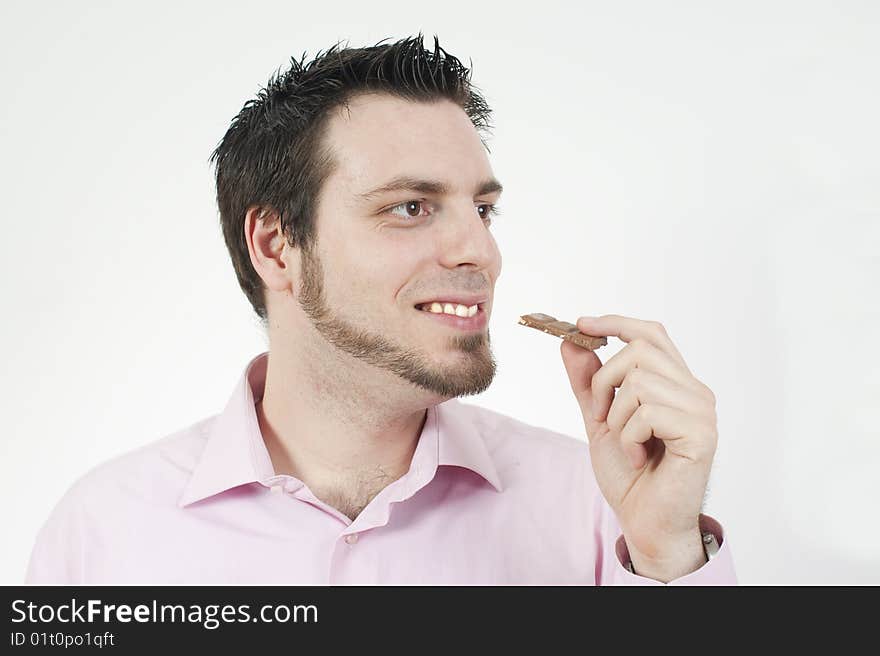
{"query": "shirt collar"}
[(460, 442), (235, 453)]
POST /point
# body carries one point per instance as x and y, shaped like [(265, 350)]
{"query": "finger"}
[(642, 387), (637, 354), (580, 365), (627, 329), (682, 434)]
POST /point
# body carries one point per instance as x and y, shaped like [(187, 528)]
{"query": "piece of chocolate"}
[(563, 329)]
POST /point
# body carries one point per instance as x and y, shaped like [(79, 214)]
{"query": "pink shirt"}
[(487, 500)]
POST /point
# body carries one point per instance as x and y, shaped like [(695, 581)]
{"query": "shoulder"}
[(156, 471), (115, 496)]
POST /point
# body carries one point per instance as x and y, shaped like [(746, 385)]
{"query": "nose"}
[(465, 239)]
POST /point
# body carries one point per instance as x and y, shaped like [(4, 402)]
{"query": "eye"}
[(492, 210), (409, 207)]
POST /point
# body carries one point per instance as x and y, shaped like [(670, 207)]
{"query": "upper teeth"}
[(450, 308)]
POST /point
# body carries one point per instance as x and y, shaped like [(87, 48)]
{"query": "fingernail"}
[(587, 319)]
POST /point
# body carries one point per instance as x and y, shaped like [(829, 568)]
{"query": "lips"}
[(439, 307), (477, 322), (456, 299)]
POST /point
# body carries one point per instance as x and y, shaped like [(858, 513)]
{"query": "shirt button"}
[(351, 538)]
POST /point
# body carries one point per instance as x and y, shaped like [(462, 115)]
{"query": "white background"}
[(712, 166)]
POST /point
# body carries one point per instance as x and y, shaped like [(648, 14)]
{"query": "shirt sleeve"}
[(611, 566), (57, 555)]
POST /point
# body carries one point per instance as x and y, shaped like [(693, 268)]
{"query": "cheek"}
[(373, 274)]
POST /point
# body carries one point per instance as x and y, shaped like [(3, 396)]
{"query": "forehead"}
[(378, 137)]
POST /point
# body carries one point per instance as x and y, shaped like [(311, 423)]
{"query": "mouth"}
[(454, 315)]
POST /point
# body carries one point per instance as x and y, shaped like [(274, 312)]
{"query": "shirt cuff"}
[(718, 571)]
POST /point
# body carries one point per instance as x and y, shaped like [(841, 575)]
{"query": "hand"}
[(651, 443)]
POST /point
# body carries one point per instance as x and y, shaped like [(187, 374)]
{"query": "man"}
[(356, 201)]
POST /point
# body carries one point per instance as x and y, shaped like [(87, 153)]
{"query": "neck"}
[(345, 428)]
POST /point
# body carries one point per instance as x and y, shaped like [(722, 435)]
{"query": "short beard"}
[(473, 376)]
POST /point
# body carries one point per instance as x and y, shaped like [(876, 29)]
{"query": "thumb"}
[(580, 365)]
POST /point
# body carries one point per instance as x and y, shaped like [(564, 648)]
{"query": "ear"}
[(274, 260)]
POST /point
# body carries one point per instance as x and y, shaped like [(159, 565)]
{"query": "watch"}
[(710, 548)]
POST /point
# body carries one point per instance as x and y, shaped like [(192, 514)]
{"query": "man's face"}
[(379, 255)]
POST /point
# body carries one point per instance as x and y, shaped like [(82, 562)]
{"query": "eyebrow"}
[(436, 187)]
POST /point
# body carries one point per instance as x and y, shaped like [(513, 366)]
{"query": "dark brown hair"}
[(273, 156)]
